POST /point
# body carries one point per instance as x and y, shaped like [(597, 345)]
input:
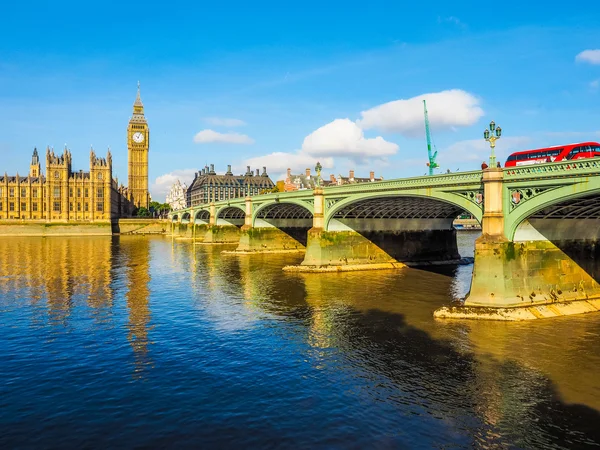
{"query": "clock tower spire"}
[(138, 144)]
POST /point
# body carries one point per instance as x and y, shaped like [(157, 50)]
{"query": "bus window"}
[(573, 152)]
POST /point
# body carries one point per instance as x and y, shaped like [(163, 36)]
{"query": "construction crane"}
[(431, 164)]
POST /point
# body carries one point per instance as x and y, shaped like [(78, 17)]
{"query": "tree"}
[(142, 212)]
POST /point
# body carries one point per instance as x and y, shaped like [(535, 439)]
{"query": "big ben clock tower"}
[(138, 144)]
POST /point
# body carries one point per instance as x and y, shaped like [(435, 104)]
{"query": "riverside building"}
[(61, 194), (208, 186)]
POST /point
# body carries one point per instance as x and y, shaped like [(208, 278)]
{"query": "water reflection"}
[(137, 261), (518, 380), (222, 344), (58, 275)]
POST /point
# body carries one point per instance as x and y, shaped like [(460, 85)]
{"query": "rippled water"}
[(149, 342)]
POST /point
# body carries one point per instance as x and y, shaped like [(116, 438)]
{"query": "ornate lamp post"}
[(492, 135), (318, 168)]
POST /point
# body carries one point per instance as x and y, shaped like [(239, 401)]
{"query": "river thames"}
[(150, 342)]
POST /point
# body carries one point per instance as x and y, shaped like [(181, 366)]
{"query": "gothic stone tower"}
[(138, 143)]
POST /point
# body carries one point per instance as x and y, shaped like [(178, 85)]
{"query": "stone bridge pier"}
[(379, 232), (537, 254), (275, 227)]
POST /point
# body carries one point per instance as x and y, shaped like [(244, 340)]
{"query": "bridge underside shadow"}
[(574, 228), (553, 258), (279, 227), (386, 230)]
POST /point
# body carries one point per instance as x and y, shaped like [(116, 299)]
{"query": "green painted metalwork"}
[(286, 200), (447, 197), (526, 190)]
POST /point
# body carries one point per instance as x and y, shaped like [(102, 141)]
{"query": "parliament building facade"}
[(61, 194)]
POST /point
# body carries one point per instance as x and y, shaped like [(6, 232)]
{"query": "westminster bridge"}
[(536, 256)]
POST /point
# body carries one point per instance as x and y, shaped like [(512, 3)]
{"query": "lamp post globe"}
[(492, 135), (318, 168)]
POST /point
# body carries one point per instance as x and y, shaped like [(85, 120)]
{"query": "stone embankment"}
[(77, 228)]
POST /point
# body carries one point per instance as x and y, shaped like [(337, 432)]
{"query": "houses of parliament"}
[(62, 194)]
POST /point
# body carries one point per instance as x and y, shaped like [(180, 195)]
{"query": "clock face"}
[(138, 137)]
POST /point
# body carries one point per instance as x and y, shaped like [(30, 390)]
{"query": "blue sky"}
[(265, 83)]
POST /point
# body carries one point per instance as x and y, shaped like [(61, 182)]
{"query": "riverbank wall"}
[(79, 228)]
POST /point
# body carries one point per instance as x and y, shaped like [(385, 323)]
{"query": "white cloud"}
[(208, 136), (589, 56), (225, 122), (277, 163), (163, 183), (447, 109), (468, 154), (342, 137)]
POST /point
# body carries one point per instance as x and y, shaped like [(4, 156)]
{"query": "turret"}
[(35, 166)]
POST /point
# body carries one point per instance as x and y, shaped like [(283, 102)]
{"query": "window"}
[(34, 206), (11, 206), (23, 192), (70, 192), (56, 206), (11, 192), (0, 206), (100, 193), (100, 206), (34, 192), (0, 192), (56, 174), (23, 206), (100, 176), (85, 206), (78, 192), (34, 173), (86, 192), (70, 206), (78, 206), (56, 192)]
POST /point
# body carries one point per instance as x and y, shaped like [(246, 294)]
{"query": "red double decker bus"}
[(554, 154)]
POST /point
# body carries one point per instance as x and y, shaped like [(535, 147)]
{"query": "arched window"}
[(100, 176), (56, 174)]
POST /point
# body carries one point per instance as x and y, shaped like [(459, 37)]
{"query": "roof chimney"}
[(351, 175), (248, 171), (264, 174), (332, 178), (372, 175), (307, 172), (257, 172), (289, 173), (228, 170)]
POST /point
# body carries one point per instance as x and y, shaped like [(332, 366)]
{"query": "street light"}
[(491, 136), (318, 168)]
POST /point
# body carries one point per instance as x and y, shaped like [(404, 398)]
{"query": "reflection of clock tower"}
[(138, 143)]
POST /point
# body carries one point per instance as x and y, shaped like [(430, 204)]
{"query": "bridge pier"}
[(369, 244), (221, 234), (538, 274), (271, 234), (268, 240)]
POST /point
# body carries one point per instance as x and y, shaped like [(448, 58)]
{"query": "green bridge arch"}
[(552, 196), (291, 201), (457, 200)]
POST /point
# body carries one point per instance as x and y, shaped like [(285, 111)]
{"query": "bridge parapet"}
[(561, 169)]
